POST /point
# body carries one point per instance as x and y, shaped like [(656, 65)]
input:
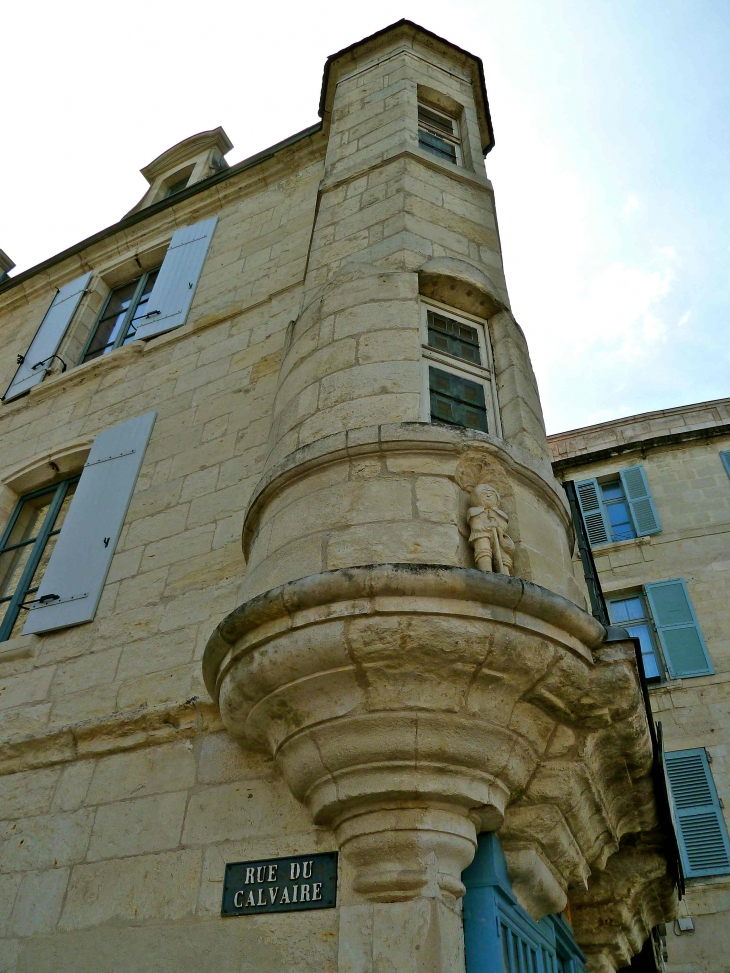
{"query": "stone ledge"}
[(129, 730), (396, 437)]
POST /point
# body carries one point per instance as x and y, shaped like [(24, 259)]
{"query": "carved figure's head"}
[(484, 495)]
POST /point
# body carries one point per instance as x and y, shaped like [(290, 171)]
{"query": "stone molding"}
[(475, 449)]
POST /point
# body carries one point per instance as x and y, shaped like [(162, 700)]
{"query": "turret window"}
[(438, 133), (457, 375)]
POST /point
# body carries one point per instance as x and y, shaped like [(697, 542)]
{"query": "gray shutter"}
[(725, 457), (174, 288), (702, 834), (594, 512), (48, 337), (684, 648), (80, 560), (640, 500)]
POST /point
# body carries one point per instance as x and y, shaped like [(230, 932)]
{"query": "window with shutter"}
[(703, 837), (44, 346), (679, 633), (594, 513), (725, 457), (641, 502), (631, 614), (174, 288), (74, 577)]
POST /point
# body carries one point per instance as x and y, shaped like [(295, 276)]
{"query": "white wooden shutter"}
[(594, 512), (703, 838), (80, 560), (47, 338), (684, 648), (640, 500), (174, 288)]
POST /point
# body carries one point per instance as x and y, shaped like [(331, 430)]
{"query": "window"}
[(152, 304), (663, 619), (438, 133), (457, 376), (618, 508), (632, 614), (703, 838), (123, 310), (26, 548), (177, 187)]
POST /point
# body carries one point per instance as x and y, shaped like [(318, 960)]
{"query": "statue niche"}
[(493, 547)]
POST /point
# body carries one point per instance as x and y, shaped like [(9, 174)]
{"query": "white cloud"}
[(631, 205)]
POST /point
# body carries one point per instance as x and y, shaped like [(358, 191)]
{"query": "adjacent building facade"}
[(655, 496), (287, 580)]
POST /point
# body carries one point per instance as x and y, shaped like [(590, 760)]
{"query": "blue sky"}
[(610, 168)]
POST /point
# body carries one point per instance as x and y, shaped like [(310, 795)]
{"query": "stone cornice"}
[(640, 446)]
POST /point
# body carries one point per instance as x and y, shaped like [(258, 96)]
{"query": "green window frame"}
[(453, 337), (121, 315), (457, 401), (26, 547)]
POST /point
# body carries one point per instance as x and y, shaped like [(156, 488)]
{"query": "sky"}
[(610, 167)]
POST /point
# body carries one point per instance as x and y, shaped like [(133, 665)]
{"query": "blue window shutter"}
[(684, 648), (594, 512), (725, 457), (80, 560), (640, 500), (499, 935), (703, 837), (174, 288), (48, 337)]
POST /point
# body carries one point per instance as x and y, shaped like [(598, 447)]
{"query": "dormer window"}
[(185, 164), (438, 133)]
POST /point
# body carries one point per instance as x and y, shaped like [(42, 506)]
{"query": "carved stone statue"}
[(493, 547)]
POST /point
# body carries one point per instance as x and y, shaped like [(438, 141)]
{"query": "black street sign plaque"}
[(280, 885)]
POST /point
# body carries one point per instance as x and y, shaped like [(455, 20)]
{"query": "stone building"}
[(289, 612), (655, 491)]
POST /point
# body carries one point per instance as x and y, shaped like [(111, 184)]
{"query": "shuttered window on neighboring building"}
[(703, 837), (683, 646), (619, 508), (725, 457)]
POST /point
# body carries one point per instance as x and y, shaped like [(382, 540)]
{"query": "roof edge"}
[(404, 22), (139, 215)]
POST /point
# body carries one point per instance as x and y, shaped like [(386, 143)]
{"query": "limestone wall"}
[(116, 857)]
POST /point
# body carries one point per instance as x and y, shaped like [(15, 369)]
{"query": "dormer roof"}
[(186, 151), (187, 162)]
